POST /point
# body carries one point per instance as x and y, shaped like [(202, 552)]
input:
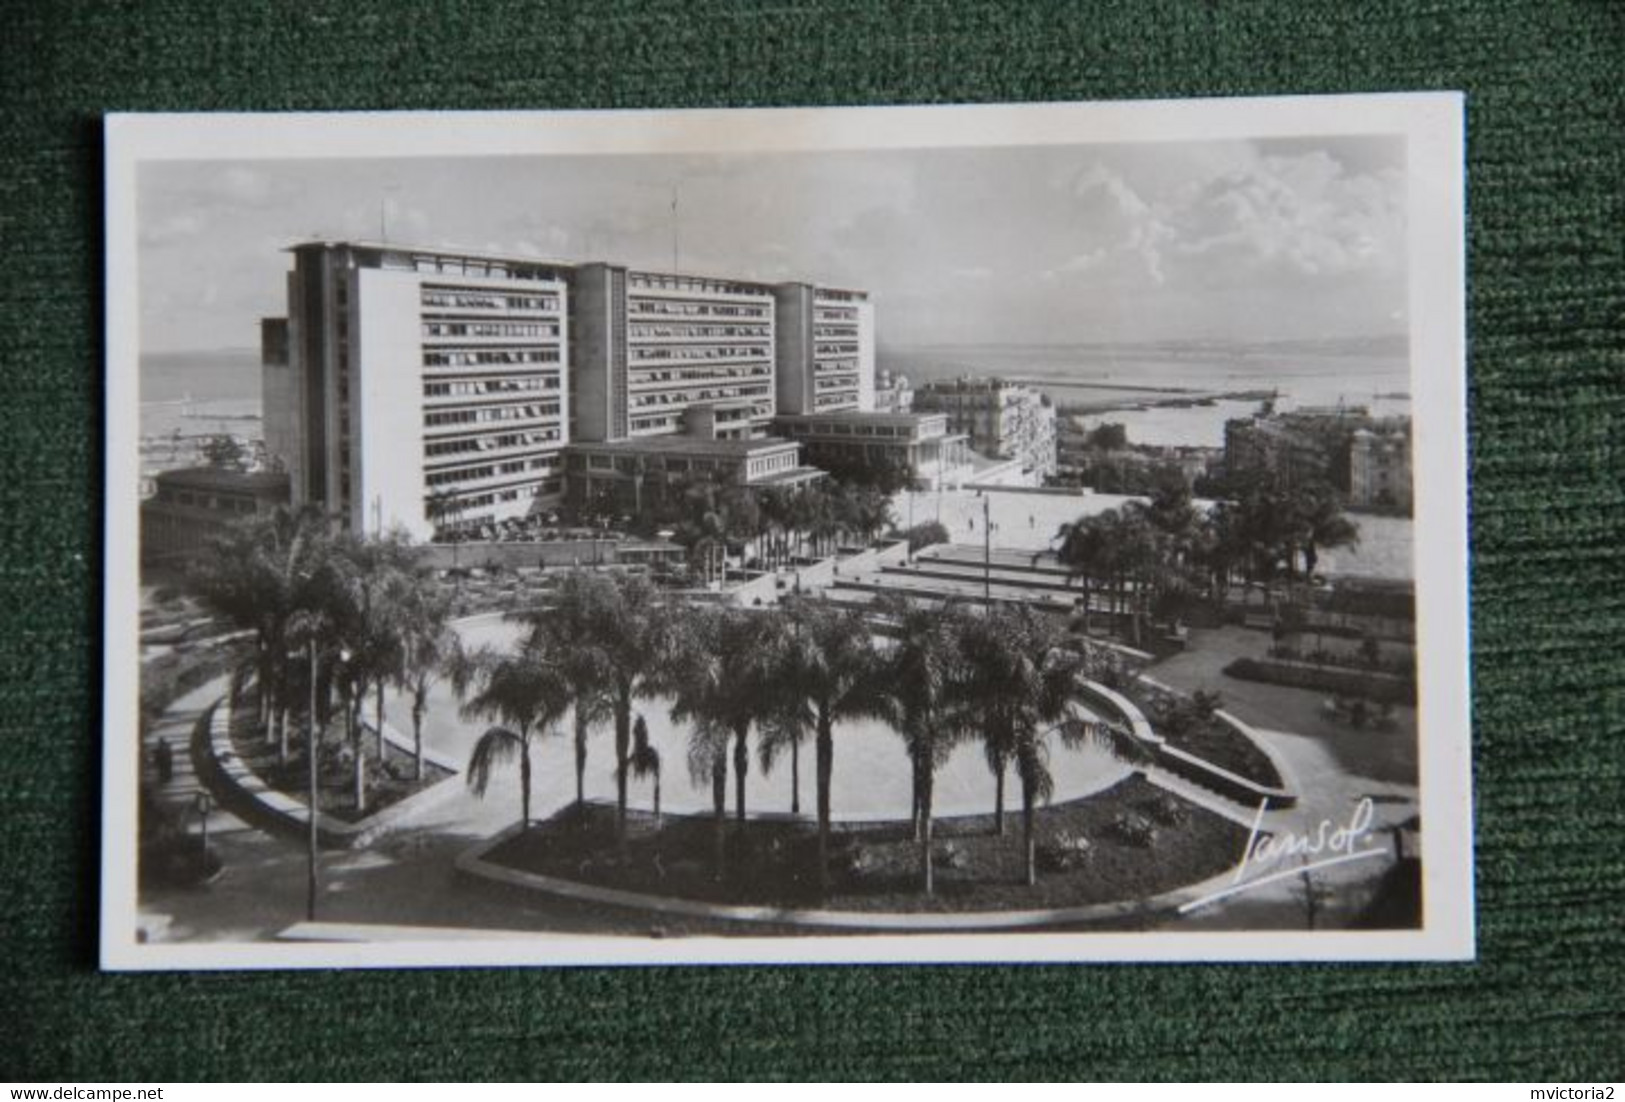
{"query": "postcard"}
[(997, 533)]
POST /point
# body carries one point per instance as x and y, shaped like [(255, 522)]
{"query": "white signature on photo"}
[(1331, 843)]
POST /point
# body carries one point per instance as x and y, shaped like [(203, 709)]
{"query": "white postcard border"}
[(1432, 125)]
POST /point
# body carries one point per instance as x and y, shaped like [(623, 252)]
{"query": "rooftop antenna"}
[(383, 212), (675, 267)]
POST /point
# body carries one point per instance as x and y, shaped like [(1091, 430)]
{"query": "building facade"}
[(826, 349), (1380, 468), (428, 388), (919, 442), (191, 506), (1003, 420), (1323, 444), (413, 387)]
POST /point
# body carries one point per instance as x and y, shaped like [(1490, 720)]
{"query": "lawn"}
[(387, 782), (1127, 843)]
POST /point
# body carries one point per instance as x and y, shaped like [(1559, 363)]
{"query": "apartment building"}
[(1380, 467), (1003, 420)]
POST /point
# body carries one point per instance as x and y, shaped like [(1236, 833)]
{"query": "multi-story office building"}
[(427, 388), (1003, 420), (826, 349), (648, 345), (418, 387)]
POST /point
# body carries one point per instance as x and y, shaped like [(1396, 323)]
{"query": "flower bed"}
[(1193, 727), (1128, 843), (387, 782)]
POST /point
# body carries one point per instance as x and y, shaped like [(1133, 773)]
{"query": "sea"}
[(1116, 382), (207, 393)]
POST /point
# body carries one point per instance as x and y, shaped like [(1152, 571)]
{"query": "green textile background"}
[(1547, 308)]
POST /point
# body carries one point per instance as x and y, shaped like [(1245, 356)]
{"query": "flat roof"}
[(220, 478), (683, 445), (553, 262), (860, 416)]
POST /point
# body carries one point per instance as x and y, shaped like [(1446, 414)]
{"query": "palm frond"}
[(496, 747)]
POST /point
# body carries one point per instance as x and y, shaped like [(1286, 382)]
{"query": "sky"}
[(1248, 241)]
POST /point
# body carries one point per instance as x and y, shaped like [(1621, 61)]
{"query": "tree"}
[(227, 453), (1019, 679), (827, 673), (370, 582), (918, 676), (646, 760), (567, 629), (726, 678), (629, 626), (525, 694), (429, 649), (258, 576)]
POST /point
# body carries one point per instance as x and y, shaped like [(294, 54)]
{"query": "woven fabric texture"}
[(1547, 301)]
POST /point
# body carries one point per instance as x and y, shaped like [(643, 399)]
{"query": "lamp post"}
[(987, 553), (203, 805), (312, 744)]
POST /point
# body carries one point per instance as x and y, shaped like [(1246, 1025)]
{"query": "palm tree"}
[(1018, 679), (568, 629), (429, 648), (646, 760), (827, 673), (776, 735), (725, 676), (630, 628), (918, 677), (526, 694), (258, 576)]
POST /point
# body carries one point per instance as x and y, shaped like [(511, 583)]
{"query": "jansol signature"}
[(1330, 843)]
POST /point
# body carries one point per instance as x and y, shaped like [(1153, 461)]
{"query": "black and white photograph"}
[(993, 533)]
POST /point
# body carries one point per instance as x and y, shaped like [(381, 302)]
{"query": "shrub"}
[(1133, 829)]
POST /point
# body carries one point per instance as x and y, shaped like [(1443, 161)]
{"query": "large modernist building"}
[(426, 388)]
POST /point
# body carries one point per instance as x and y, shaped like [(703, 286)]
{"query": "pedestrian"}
[(164, 759)]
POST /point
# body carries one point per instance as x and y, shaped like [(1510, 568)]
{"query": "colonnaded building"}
[(425, 388)]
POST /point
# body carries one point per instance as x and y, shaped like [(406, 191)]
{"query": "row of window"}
[(835, 349), (834, 401), (518, 493), (475, 387), (701, 375), (491, 414), (627, 465), (490, 329), (837, 383), (668, 353), (490, 470), (835, 313), (835, 331), (484, 356), (484, 300), (470, 444), (645, 330), (653, 282), (696, 309), (662, 399)]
